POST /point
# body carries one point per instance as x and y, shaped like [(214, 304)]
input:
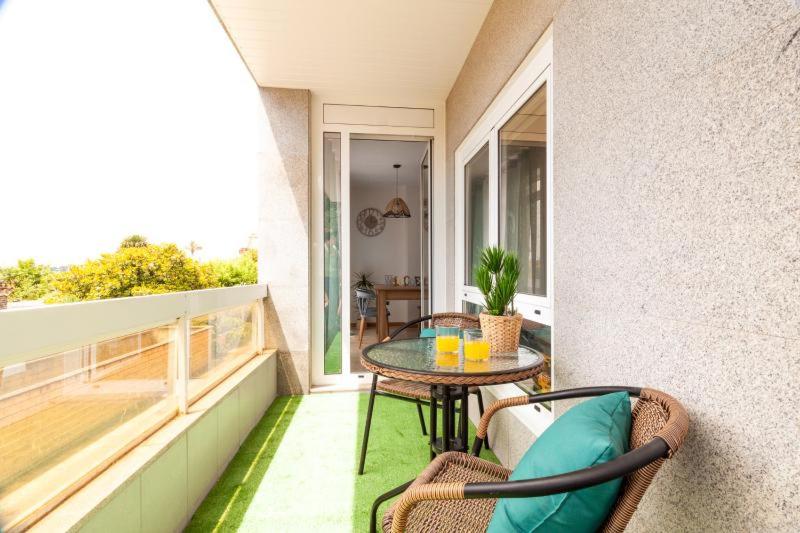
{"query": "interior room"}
[(382, 246)]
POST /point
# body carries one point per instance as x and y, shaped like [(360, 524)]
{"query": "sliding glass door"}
[(425, 232), (332, 252)]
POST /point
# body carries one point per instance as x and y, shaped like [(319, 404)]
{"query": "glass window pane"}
[(476, 190), (470, 308), (332, 234), (523, 194), (219, 343), (64, 415)]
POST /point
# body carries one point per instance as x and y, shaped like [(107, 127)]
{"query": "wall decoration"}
[(370, 222)]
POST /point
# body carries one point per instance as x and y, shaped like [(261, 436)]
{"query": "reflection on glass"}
[(476, 190), (523, 195), (470, 308), (536, 336), (219, 343), (105, 394), (332, 235)]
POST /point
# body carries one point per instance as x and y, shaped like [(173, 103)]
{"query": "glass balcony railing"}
[(67, 413)]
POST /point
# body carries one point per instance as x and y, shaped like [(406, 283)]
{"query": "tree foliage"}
[(30, 281), (134, 241), (242, 270), (133, 271)]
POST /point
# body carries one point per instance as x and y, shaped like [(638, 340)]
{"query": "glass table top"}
[(420, 356)]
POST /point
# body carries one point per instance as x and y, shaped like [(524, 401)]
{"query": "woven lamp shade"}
[(397, 208)]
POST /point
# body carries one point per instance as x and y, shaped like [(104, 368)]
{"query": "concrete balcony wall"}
[(677, 127), (284, 245), (158, 486)]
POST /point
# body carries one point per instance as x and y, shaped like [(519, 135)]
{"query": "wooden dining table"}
[(387, 293)]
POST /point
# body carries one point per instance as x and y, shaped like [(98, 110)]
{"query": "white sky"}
[(122, 117)]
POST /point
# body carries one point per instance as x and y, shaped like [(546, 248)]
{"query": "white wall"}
[(395, 251)]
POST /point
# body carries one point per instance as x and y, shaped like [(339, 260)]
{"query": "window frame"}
[(535, 70)]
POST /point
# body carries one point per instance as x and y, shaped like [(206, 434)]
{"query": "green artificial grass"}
[(297, 470), (333, 356)]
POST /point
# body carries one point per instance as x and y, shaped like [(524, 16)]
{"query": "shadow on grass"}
[(397, 453), (226, 504)]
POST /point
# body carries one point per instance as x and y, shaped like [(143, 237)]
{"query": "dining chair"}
[(412, 391), (365, 311), (458, 491)]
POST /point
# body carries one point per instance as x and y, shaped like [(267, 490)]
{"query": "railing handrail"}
[(33, 332)]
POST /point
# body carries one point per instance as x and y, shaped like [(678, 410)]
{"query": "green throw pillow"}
[(593, 432)]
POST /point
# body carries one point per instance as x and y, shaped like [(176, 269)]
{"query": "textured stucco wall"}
[(283, 233), (677, 239), (677, 236)]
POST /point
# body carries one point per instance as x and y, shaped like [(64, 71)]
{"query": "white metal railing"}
[(30, 333)]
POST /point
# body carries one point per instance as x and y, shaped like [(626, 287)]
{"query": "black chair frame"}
[(657, 448), (419, 403)]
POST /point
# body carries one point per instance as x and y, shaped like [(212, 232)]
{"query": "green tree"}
[(240, 271), (134, 241), (31, 281), (133, 271)]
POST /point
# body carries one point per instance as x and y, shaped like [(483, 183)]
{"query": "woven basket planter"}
[(502, 332)]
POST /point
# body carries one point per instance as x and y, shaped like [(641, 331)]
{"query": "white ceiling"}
[(371, 161), (411, 47)]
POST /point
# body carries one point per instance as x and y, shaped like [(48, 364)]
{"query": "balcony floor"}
[(296, 471)]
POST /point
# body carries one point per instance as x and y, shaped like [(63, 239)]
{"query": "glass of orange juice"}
[(447, 339), (476, 348)]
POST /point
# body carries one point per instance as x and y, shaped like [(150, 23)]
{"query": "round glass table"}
[(450, 376)]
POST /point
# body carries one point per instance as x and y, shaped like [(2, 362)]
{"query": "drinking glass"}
[(447, 339), (476, 348)]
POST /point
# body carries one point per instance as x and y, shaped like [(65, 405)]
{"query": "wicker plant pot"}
[(502, 332)]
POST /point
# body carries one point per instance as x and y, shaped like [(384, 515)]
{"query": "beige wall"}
[(677, 156), (284, 248)]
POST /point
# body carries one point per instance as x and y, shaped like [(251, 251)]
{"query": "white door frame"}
[(438, 222), (429, 267)]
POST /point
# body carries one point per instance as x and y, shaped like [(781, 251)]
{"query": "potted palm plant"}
[(362, 281), (496, 277)]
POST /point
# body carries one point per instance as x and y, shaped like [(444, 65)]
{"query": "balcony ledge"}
[(121, 496)]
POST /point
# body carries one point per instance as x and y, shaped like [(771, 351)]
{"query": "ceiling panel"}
[(413, 46)]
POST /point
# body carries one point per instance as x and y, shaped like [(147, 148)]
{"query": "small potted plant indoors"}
[(496, 277), (362, 282)]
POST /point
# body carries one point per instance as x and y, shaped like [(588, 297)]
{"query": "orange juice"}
[(477, 350), (476, 366), (447, 343), (447, 359)]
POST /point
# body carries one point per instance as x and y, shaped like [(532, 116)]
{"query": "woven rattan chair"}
[(457, 492), (419, 393)]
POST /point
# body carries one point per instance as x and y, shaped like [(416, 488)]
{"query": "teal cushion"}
[(593, 432), (429, 333)]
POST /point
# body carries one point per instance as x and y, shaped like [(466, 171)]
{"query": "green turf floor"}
[(333, 356), (296, 471)]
